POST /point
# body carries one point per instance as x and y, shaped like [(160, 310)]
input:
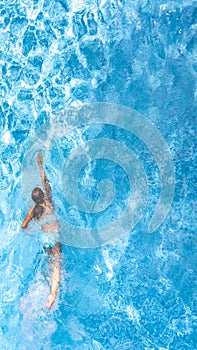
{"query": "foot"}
[(50, 301)]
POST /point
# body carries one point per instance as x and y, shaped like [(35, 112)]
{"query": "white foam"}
[(6, 138), (133, 314)]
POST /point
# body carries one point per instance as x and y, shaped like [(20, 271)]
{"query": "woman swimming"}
[(43, 212)]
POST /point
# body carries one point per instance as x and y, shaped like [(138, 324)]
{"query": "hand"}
[(39, 159)]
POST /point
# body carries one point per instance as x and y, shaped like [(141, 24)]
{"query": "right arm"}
[(45, 181)]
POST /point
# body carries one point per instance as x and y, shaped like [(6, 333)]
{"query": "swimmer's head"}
[(37, 195), (37, 212)]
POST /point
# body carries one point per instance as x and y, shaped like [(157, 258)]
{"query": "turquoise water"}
[(138, 293)]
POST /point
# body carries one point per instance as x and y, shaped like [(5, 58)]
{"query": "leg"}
[(55, 278)]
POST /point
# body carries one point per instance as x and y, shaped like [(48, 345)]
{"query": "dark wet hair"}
[(37, 195), (38, 211)]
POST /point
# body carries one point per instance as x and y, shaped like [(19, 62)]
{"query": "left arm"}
[(28, 217)]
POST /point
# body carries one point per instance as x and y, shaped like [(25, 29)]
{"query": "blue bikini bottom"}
[(49, 239)]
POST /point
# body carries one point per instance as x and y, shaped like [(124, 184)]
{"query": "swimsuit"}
[(49, 239), (47, 220)]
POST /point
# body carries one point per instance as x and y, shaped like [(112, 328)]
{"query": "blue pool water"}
[(139, 292)]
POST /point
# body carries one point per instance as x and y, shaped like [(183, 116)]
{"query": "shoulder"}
[(49, 206), (31, 210)]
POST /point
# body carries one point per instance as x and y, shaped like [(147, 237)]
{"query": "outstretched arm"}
[(45, 181), (28, 217), (55, 279)]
